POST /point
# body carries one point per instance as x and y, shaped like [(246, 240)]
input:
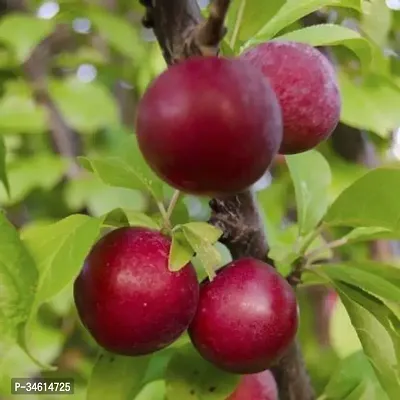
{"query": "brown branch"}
[(291, 376), (65, 141), (239, 218), (173, 23), (178, 25), (181, 30), (212, 30)]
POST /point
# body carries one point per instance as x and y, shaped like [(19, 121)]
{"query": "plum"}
[(209, 126), (307, 89), (126, 296), (246, 318)]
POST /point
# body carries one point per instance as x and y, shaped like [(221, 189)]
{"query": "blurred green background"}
[(71, 75)]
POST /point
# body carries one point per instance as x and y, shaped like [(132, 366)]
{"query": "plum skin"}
[(306, 86), (261, 386), (128, 299), (246, 318), (209, 126)]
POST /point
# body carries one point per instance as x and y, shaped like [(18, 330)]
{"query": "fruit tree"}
[(199, 199)]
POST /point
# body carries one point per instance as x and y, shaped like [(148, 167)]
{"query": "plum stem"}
[(172, 204), (167, 213), (166, 222)]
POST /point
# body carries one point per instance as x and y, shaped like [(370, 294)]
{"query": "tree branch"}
[(181, 30), (65, 141), (173, 22), (181, 33), (212, 30), (239, 218)]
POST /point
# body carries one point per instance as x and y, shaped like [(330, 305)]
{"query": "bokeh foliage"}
[(88, 63)]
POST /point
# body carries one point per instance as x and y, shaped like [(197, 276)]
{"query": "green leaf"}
[(370, 103), (159, 361), (22, 33), (153, 391), (117, 172), (209, 256), (273, 201), (371, 201), (345, 171), (139, 219), (246, 17), (285, 249), (343, 336), (311, 177), (380, 340), (333, 35), (19, 113), (368, 280), (129, 170), (376, 20), (118, 32), (116, 218), (364, 391), (369, 233), (293, 10), (350, 373), (14, 362), (189, 376), (88, 191), (389, 272), (3, 172), (206, 231), (116, 377), (59, 250), (41, 171), (282, 249), (181, 252), (86, 107), (226, 49), (18, 277)]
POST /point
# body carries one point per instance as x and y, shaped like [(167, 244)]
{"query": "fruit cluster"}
[(211, 126)]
